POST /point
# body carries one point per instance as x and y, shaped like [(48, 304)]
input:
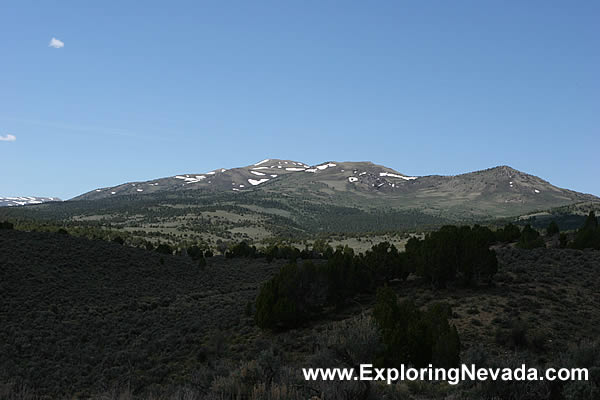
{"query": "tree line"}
[(301, 291)]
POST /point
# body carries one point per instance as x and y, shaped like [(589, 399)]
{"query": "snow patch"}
[(255, 182), (352, 178), (294, 169), (257, 173), (189, 179), (537, 191), (325, 166), (407, 178), (263, 161)]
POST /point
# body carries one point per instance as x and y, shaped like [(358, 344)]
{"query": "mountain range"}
[(499, 191), (276, 198)]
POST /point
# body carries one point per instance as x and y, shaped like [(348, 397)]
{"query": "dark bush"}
[(290, 298), (164, 248), (6, 225), (345, 275), (195, 253), (588, 236), (454, 252), (530, 238), (386, 263), (563, 240), (415, 337), (552, 229), (509, 233), (241, 249)]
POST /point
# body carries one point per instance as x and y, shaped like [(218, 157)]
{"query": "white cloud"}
[(57, 44), (8, 138)]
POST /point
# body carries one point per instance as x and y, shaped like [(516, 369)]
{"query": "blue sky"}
[(425, 87)]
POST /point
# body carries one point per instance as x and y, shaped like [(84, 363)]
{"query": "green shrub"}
[(530, 238), (454, 252), (563, 240), (386, 263), (6, 225), (164, 248), (552, 229), (241, 249), (509, 233), (414, 336), (290, 298), (588, 236)]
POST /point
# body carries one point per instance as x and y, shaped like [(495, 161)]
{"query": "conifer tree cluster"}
[(415, 337), (588, 236), (299, 292), (453, 253)]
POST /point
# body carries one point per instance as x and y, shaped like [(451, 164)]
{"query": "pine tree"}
[(552, 229)]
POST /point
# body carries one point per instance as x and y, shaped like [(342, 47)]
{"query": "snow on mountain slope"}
[(499, 188), (12, 201), (252, 176)]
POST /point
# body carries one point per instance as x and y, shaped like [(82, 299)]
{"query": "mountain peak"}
[(273, 162)]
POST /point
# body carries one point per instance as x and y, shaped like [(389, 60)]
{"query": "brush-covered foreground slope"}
[(82, 317), (79, 313)]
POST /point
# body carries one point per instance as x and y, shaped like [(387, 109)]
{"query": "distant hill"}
[(11, 201)]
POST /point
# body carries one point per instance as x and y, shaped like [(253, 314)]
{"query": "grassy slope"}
[(252, 216)]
